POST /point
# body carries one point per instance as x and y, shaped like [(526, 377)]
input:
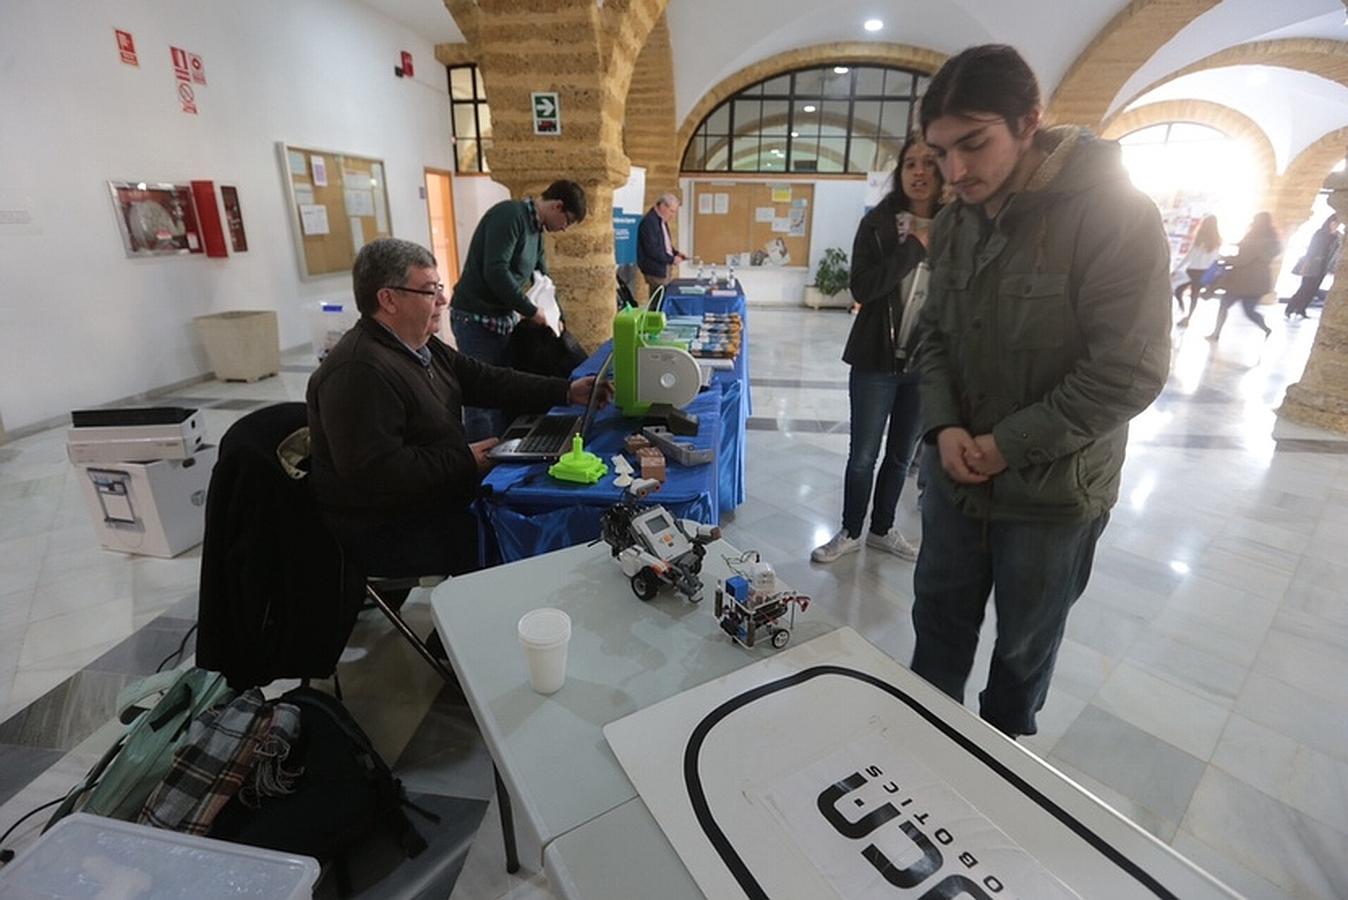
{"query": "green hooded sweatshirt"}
[(1048, 327)]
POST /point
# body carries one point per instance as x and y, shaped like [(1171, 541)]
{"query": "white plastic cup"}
[(544, 634)]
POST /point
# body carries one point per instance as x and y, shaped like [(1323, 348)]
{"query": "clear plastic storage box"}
[(86, 856)]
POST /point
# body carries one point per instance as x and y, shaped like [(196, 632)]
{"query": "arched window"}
[(833, 118), (1191, 170)]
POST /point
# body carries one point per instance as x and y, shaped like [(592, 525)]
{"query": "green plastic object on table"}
[(578, 465), (633, 328)]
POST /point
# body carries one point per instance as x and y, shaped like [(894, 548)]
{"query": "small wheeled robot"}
[(749, 602), (653, 547)]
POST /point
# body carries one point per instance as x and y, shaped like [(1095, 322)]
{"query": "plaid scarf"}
[(237, 748)]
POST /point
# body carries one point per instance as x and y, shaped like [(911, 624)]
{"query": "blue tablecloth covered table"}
[(531, 513), (680, 302)]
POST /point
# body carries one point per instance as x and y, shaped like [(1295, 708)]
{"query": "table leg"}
[(507, 822)]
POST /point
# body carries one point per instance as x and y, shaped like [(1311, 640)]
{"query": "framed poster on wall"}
[(156, 218)]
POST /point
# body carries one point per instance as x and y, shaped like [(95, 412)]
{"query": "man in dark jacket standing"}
[(1046, 330), (655, 247), (392, 469), (489, 298)]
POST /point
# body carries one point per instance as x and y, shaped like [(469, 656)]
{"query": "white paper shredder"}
[(151, 508), (144, 473)]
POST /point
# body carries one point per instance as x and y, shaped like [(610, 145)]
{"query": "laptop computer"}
[(544, 438)]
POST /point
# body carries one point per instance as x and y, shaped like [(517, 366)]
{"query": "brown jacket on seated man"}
[(392, 468)]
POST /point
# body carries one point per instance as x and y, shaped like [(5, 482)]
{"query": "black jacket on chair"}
[(277, 598)]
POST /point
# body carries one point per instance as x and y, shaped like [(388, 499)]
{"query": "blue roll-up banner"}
[(625, 237)]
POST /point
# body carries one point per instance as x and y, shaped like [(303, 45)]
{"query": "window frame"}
[(757, 92), (478, 101)]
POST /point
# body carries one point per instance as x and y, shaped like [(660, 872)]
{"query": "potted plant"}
[(830, 282)]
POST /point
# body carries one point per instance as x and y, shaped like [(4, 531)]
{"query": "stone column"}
[(1320, 398), (525, 46)]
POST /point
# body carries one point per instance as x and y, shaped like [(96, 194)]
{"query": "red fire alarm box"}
[(407, 64), (208, 218)]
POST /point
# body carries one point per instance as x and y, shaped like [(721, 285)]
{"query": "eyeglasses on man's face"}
[(431, 290)]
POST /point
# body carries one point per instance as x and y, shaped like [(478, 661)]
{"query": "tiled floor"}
[(1202, 689)]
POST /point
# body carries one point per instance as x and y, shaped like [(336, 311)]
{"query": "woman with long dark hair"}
[(1202, 254), (889, 282), (1315, 265), (1251, 274)]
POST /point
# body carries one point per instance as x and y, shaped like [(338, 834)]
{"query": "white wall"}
[(82, 324), (473, 196), (839, 205)]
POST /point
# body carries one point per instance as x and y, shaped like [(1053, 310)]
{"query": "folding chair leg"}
[(406, 630), (507, 822)]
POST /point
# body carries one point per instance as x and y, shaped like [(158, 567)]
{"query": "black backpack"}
[(346, 793)]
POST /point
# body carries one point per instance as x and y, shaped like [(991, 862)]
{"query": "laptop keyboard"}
[(551, 434)]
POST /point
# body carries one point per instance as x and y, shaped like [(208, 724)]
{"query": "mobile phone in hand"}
[(904, 222)]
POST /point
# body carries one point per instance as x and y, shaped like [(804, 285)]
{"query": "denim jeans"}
[(1034, 570), (877, 399), (485, 346)]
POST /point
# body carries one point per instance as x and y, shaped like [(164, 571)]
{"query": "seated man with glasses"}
[(392, 468), (489, 299)]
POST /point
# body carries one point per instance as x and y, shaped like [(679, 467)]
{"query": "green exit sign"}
[(547, 113)]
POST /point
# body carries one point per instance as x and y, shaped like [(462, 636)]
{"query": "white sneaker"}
[(838, 545), (893, 542)]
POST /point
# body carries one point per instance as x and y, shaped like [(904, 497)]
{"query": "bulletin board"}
[(732, 218), (338, 204)]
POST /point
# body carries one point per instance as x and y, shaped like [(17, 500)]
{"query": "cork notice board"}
[(731, 218), (338, 204)]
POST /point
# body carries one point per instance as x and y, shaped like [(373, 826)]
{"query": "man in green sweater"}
[(490, 297)]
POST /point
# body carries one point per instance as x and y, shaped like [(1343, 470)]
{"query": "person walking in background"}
[(888, 280), (1202, 254), (1319, 261), (655, 247), (1046, 331), (1251, 274)]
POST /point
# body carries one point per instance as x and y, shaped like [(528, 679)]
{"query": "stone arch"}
[(1294, 194), (846, 52), (1129, 40), (1317, 56), (1230, 122)]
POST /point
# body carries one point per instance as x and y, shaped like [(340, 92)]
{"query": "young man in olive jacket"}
[(392, 468), (1045, 331), (489, 298)]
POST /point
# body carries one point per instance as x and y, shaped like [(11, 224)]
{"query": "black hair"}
[(384, 263), (571, 195), (896, 195), (990, 79)]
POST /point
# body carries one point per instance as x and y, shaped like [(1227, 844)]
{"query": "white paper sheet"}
[(796, 222), (314, 218), (297, 164), (357, 233), (320, 170), (358, 202), (722, 204), (781, 225), (704, 204), (764, 214), (380, 212), (304, 193)]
